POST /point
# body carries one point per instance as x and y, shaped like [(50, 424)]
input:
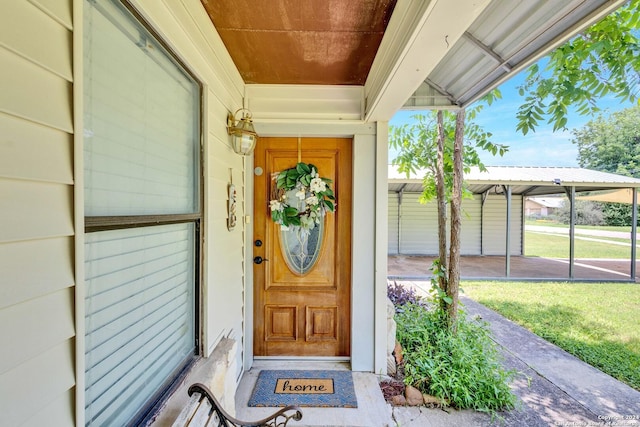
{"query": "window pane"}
[(141, 119), (139, 316)]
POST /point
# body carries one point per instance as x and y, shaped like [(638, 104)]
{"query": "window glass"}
[(139, 316), (141, 120)]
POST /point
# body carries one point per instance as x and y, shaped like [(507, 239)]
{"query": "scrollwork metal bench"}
[(204, 409)]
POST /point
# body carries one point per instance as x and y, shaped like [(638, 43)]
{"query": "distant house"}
[(542, 206)]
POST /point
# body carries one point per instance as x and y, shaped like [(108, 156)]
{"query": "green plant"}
[(401, 295), (302, 197), (617, 214), (601, 61), (587, 213), (435, 146), (438, 294), (462, 368)]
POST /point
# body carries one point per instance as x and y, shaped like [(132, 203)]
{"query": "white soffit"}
[(505, 38)]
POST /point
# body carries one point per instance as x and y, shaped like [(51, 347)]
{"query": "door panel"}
[(303, 314)]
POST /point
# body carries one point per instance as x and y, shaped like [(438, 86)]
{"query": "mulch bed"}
[(391, 388), (395, 386)]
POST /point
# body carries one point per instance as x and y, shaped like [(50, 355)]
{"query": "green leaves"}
[(602, 61), (303, 178), (303, 169), (529, 114), (289, 178), (329, 205), (611, 144)]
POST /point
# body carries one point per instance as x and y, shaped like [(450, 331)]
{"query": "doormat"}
[(329, 389)]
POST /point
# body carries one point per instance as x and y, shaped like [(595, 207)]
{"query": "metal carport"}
[(510, 181)]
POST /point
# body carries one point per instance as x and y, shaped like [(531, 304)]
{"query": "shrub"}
[(617, 214), (463, 368), (401, 295), (587, 213)]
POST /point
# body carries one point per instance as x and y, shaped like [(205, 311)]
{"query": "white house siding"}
[(393, 226), (413, 230), (36, 214), (470, 242), (36, 198), (418, 226), (494, 225)]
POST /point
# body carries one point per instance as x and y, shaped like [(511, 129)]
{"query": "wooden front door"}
[(302, 314)]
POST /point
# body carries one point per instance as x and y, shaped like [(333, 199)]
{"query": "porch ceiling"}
[(328, 42), (405, 53)]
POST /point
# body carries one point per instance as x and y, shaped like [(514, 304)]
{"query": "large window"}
[(143, 213)]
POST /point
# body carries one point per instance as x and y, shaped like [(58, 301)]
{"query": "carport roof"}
[(505, 38), (524, 180)]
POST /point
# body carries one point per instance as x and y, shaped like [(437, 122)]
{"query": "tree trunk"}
[(442, 210), (456, 220)]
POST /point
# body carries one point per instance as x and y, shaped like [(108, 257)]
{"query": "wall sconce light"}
[(243, 134), (557, 181)]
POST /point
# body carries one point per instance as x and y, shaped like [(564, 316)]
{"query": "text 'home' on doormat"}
[(304, 388), (304, 385)]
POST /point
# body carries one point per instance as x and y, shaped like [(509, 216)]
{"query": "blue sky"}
[(541, 148)]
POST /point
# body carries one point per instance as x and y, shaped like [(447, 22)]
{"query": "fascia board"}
[(418, 36)]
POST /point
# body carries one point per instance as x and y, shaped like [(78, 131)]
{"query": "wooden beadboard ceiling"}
[(322, 42)]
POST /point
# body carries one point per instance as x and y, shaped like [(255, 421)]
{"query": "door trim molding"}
[(306, 358)]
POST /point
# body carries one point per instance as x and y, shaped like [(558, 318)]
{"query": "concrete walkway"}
[(582, 231), (563, 388)]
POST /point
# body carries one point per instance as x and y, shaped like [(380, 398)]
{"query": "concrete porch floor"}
[(416, 267), (372, 410)]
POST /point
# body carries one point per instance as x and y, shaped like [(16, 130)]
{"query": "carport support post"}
[(572, 231), (634, 226), (507, 245)]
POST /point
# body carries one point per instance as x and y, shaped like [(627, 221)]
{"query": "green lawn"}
[(551, 246), (597, 322)]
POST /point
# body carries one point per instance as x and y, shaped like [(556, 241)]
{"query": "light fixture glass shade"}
[(243, 135)]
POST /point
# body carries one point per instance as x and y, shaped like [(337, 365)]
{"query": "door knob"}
[(259, 260)]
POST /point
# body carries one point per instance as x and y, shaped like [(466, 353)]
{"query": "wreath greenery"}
[(313, 198)]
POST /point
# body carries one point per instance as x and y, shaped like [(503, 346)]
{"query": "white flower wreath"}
[(311, 201)]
